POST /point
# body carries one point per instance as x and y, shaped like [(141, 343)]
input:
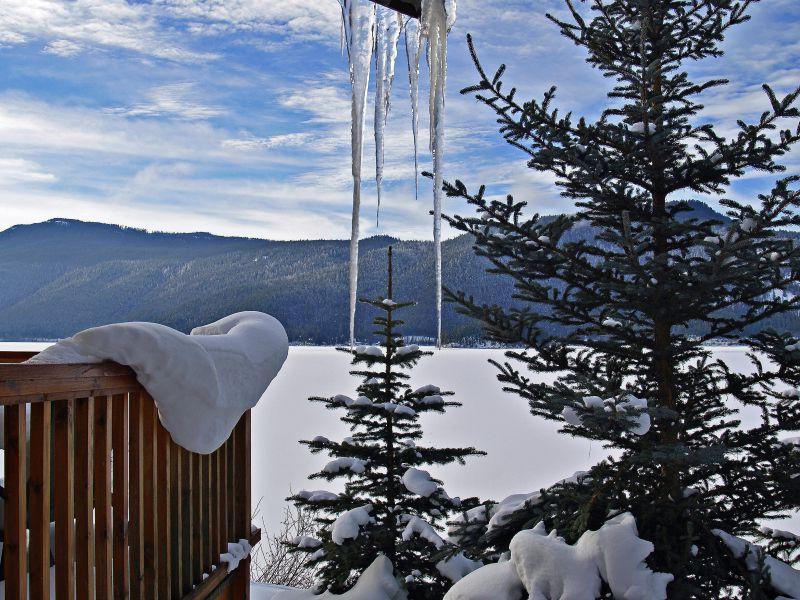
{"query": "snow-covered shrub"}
[(376, 583), (547, 568), (271, 561)]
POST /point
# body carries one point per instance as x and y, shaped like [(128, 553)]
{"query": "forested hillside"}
[(61, 276)]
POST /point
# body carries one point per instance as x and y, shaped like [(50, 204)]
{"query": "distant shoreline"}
[(26, 345)]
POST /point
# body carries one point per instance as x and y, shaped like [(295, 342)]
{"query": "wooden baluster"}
[(216, 484), (224, 538), (136, 530), (163, 496), (64, 499), (103, 549), (197, 516), (207, 483), (120, 441), (84, 525), (14, 541), (39, 500), (231, 485), (149, 512), (188, 520), (243, 450), (176, 522)]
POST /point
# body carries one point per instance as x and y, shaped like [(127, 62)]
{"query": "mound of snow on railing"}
[(237, 552), (547, 567), (201, 383), (376, 583)]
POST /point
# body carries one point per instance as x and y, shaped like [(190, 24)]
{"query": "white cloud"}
[(300, 20), (178, 100), (63, 48), (103, 23), (42, 128), (325, 103), (9, 38), (285, 140), (22, 170)]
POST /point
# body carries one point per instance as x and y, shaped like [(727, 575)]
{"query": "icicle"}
[(450, 8), (437, 17), (412, 57), (359, 26), (341, 28), (387, 33), (341, 36)]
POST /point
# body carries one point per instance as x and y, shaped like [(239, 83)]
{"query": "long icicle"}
[(436, 22), (359, 24), (412, 31), (387, 34)]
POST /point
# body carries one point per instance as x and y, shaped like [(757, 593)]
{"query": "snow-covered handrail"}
[(202, 382)]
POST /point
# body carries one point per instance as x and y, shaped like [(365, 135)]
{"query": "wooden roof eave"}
[(411, 8)]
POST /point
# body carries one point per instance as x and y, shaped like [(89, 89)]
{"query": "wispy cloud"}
[(64, 48), (300, 20), (22, 170), (286, 140), (178, 100), (101, 23)]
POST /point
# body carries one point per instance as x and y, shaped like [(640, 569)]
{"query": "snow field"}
[(524, 453)]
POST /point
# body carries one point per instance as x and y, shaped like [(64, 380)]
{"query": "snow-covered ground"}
[(524, 453), (265, 591)]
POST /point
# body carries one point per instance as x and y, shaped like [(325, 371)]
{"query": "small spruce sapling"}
[(390, 504)]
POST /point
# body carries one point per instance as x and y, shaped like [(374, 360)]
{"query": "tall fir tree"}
[(625, 371), (390, 504)]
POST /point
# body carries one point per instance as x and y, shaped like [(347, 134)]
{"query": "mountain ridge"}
[(63, 275)]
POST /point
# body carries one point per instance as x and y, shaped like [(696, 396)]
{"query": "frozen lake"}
[(524, 453), (521, 450)]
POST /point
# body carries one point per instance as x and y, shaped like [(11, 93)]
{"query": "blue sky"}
[(232, 116)]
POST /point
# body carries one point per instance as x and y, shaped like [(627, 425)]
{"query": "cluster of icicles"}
[(371, 29)]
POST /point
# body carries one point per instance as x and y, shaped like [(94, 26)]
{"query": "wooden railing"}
[(135, 515)]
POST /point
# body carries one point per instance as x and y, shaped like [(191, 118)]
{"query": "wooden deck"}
[(135, 515)]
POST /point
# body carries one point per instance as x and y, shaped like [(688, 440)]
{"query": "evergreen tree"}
[(626, 372), (390, 504)]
